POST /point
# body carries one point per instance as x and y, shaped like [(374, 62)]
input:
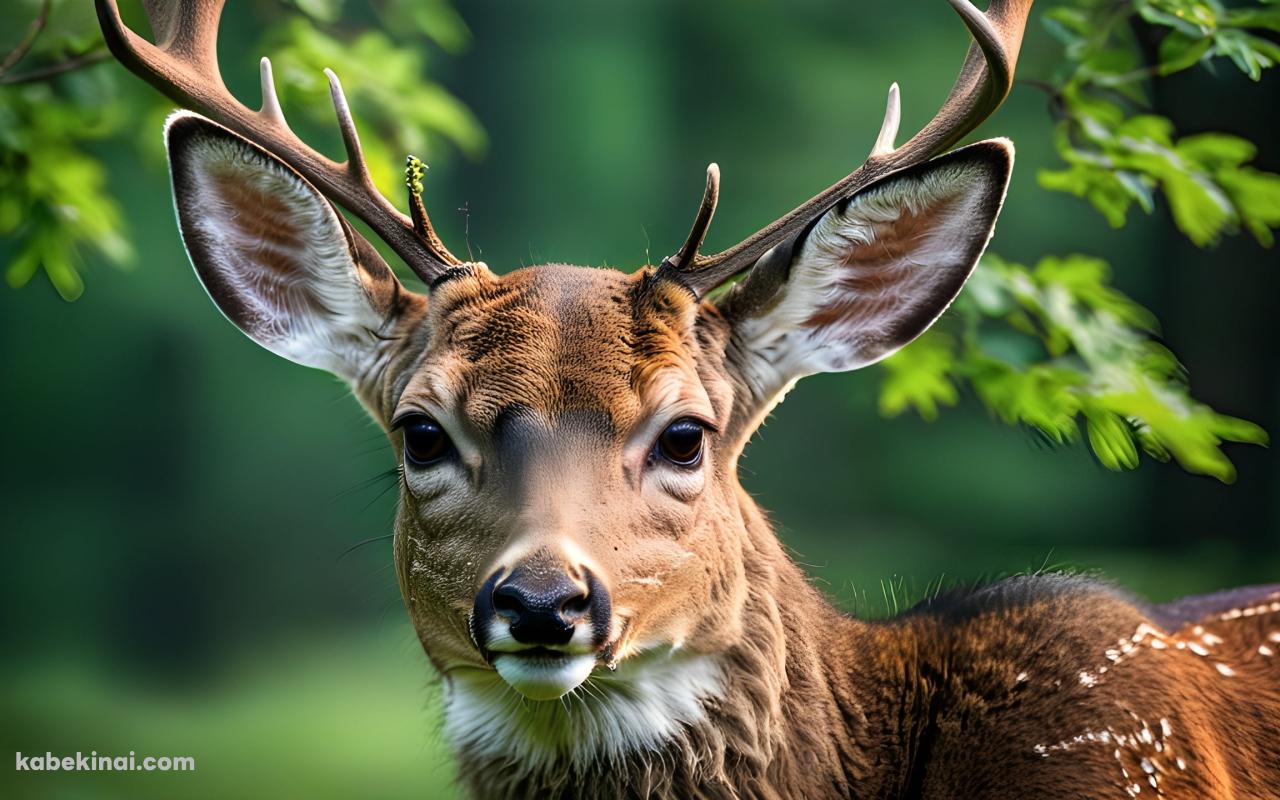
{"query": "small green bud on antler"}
[(413, 171)]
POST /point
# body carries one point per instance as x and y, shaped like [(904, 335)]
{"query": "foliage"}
[(53, 197), (1053, 347), (52, 194), (1094, 361), (57, 96), (396, 107), (1118, 154), (1096, 365)]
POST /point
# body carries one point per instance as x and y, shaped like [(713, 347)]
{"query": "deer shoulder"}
[(1062, 686)]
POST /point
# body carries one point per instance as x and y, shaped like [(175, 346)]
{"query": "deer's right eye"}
[(425, 442)]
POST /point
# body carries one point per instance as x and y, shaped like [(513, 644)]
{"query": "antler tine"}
[(413, 172), (271, 110), (183, 65), (982, 85), (984, 80), (706, 210), (889, 127)]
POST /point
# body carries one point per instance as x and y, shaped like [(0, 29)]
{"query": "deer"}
[(610, 614)]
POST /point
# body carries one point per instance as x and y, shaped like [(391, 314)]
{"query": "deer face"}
[(568, 437), (566, 489)]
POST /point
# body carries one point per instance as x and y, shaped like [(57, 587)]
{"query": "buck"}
[(609, 611)]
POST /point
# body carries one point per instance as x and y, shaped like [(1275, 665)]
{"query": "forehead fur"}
[(555, 340)]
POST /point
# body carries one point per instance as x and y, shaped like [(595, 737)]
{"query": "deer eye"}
[(425, 442), (680, 443)]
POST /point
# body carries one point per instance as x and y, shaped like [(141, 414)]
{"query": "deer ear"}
[(870, 275), (276, 257)]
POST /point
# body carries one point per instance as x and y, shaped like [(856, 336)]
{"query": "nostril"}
[(509, 599), (576, 606)]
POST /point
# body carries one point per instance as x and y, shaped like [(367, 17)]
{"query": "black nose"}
[(542, 606)]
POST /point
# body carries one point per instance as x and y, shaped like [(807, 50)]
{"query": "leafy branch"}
[(1055, 347), (53, 197), (1118, 154), (1095, 365), (54, 203)]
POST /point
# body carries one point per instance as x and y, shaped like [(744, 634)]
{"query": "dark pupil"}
[(681, 442), (424, 440)]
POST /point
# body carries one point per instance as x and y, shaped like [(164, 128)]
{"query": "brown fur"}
[(555, 382), (1037, 686)]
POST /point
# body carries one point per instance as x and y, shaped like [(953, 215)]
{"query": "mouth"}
[(542, 674)]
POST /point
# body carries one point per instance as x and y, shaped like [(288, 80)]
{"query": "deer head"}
[(568, 436)]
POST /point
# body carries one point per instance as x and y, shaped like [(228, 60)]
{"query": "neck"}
[(787, 706)]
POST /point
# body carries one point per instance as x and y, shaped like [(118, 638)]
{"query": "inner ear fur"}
[(275, 256), (870, 275)]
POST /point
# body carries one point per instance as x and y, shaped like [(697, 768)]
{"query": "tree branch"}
[(28, 39), (59, 68)]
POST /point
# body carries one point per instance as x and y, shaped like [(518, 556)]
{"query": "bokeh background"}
[(178, 506)]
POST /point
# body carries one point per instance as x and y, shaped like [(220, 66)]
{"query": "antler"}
[(183, 64), (983, 83)]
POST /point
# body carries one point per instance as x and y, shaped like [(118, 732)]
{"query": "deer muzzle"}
[(542, 624)]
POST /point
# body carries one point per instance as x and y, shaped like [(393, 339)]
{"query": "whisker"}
[(381, 494), (366, 483), (364, 542)]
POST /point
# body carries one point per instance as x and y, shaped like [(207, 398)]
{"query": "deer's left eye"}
[(680, 443), (425, 442)]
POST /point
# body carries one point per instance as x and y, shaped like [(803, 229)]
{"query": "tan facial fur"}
[(554, 382)]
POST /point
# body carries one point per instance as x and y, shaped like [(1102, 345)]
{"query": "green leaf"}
[(1267, 18), (1086, 279), (1215, 150), (1200, 209), (1190, 19), (1098, 366), (1251, 54), (1112, 440), (918, 376), (1178, 51), (1256, 195)]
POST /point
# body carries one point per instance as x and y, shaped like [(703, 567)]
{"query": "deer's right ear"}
[(274, 254)]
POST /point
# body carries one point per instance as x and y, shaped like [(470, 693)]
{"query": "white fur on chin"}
[(649, 699)]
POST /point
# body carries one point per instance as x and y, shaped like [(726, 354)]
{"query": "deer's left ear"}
[(870, 275)]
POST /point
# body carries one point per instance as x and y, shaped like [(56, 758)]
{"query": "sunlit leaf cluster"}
[(1055, 348), (399, 109), (59, 93), (54, 198), (1118, 153)]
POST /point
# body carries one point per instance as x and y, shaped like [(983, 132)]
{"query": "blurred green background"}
[(178, 504)]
